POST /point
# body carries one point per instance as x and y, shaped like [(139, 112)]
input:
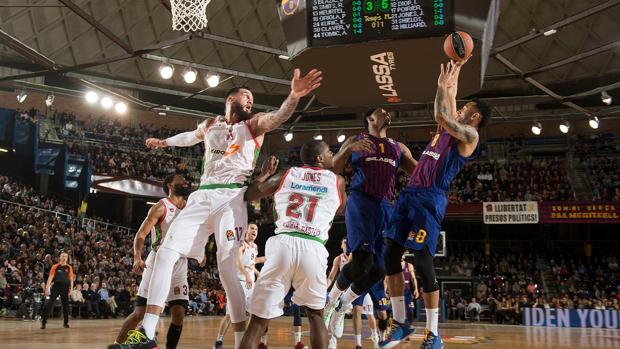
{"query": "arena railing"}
[(66, 217)]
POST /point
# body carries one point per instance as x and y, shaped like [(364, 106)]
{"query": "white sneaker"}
[(333, 343), (338, 322), (327, 312), (375, 341)]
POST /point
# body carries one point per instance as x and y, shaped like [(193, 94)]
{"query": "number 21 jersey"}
[(306, 202)]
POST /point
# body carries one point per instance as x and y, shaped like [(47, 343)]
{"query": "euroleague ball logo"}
[(383, 65), (289, 6)]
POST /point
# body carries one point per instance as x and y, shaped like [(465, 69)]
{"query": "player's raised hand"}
[(155, 143), (363, 145), (270, 166), (301, 86), (138, 266)]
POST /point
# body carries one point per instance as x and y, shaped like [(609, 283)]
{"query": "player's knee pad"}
[(383, 324), (393, 253), (425, 268), (361, 263), (140, 301), (365, 283)]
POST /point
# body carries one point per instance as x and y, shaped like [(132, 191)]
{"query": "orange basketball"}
[(458, 46)]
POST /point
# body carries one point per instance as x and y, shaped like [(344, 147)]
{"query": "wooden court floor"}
[(200, 332)]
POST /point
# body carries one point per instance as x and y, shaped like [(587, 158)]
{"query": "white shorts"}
[(368, 307), (179, 289), (223, 212), (248, 295), (293, 261)]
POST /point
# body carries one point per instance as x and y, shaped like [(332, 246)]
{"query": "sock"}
[(263, 339), (334, 294), (297, 337), (149, 323), (220, 338), (398, 309), (348, 297), (375, 335), (238, 338), (432, 320), (358, 339), (173, 336)]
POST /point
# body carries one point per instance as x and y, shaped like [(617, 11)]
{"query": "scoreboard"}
[(336, 22)]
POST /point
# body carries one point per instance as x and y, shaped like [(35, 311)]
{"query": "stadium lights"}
[(318, 136), (606, 98), (106, 102), (50, 100), (190, 75), (564, 127), (4, 150), (151, 203), (166, 70), (288, 136), (594, 121), (550, 32), (536, 128), (341, 136), (21, 96), (91, 97), (213, 79), (120, 107)]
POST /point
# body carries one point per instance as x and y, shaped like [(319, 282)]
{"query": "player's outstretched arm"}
[(185, 139), (154, 215), (408, 163), (258, 190), (333, 271), (347, 148), (268, 168), (262, 123), (342, 189)]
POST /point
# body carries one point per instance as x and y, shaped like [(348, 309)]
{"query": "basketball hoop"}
[(189, 15)]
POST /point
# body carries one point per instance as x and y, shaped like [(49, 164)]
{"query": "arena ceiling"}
[(118, 44)]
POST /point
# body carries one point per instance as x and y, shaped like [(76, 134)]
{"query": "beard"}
[(180, 190), (238, 110)]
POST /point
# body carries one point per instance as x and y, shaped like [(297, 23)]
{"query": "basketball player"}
[(232, 144), (157, 222), (364, 307), (306, 200), (337, 265), (421, 206), (376, 160)]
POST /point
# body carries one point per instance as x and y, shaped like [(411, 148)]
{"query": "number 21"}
[(296, 200)]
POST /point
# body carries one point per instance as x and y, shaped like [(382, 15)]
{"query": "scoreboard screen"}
[(337, 22)]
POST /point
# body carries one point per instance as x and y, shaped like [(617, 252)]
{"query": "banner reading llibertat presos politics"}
[(510, 212), (591, 318)]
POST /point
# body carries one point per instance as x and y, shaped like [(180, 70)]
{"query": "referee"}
[(61, 275)]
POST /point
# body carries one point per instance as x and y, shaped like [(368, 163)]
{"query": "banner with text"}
[(579, 212), (593, 318), (510, 212)]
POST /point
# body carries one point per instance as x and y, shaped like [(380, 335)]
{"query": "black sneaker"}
[(218, 345), (42, 325), (136, 340), (65, 325)]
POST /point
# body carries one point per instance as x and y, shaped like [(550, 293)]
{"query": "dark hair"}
[(310, 150), (234, 90), (167, 181), (366, 115), (485, 112)]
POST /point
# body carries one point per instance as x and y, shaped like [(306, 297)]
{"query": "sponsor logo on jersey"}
[(177, 291), (311, 188), (295, 225), (432, 154), (385, 63), (388, 160), (233, 148), (230, 235)]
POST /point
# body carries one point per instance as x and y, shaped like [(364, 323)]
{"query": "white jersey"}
[(248, 259), (306, 202), (161, 228), (231, 152)]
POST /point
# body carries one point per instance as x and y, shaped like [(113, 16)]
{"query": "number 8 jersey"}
[(306, 202)]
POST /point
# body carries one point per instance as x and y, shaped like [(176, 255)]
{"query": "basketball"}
[(458, 46)]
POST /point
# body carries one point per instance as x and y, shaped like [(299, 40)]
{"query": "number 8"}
[(420, 236)]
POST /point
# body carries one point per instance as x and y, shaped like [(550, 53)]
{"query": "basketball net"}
[(189, 15)]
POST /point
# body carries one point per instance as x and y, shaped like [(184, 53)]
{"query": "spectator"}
[(473, 310)]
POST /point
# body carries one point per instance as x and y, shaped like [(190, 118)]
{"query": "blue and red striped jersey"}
[(375, 172), (439, 163)]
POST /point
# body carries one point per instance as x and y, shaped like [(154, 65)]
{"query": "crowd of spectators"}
[(604, 175)]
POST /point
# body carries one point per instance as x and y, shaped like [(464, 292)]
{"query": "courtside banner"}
[(510, 212), (579, 212), (592, 318)]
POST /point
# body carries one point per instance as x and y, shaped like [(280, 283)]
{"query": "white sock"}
[(238, 338), (297, 337), (334, 294), (358, 339), (149, 323), (398, 309), (432, 320), (220, 337), (263, 339), (375, 335), (348, 297)]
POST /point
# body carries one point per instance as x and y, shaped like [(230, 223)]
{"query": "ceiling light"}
[(4, 150), (550, 32), (213, 79), (120, 107), (49, 100), (166, 70), (288, 136), (536, 128), (151, 203), (21, 96), (318, 136), (190, 75), (564, 127), (606, 98), (594, 121), (161, 113), (106, 102), (283, 57), (341, 137), (91, 97)]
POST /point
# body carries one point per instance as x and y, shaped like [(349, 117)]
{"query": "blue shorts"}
[(366, 219), (377, 294), (417, 218)]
